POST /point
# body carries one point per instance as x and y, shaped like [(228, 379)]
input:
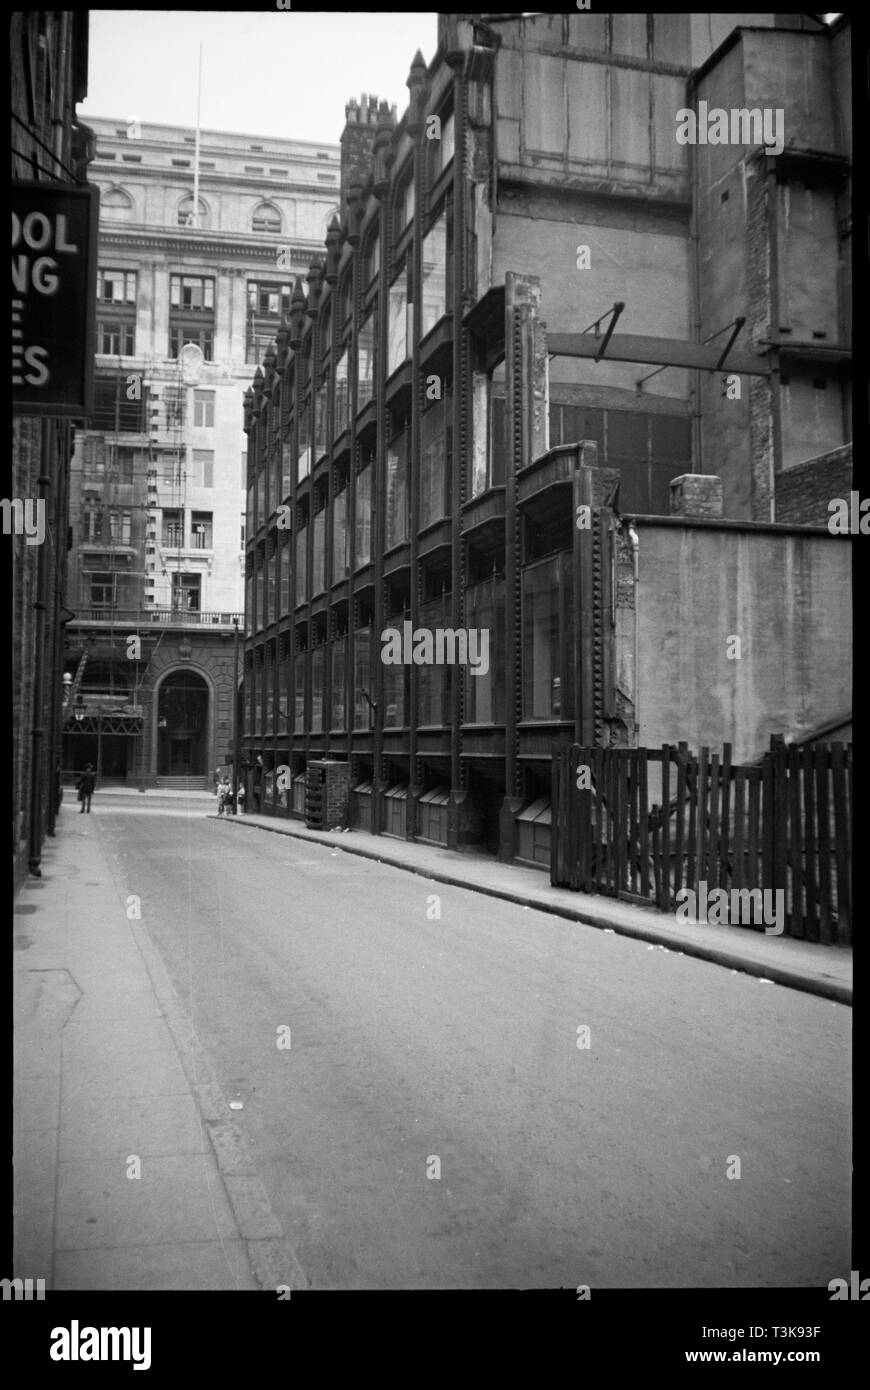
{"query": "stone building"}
[(188, 299), (501, 406)]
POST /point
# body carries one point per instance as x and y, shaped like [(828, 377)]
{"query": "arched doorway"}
[(182, 725)]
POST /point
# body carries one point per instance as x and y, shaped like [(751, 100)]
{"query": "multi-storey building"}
[(200, 240), (437, 445), (50, 151)]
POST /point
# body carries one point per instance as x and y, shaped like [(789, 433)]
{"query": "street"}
[(433, 1119)]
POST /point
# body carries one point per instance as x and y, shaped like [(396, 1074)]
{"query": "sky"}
[(275, 73)]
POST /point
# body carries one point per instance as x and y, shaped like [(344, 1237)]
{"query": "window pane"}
[(270, 589), (397, 328), (408, 202), (317, 661), (435, 274), (342, 395), (299, 682), (362, 679), (286, 462), (394, 692), (321, 440), (301, 558), (485, 692), (303, 452), (285, 575), (339, 659), (318, 581), (203, 409), (542, 685), (363, 518), (448, 141), (432, 679), (366, 362), (434, 462), (203, 468), (397, 489), (201, 530), (339, 537)]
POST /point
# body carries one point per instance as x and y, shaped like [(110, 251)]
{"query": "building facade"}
[(510, 372), (199, 245), (49, 69)]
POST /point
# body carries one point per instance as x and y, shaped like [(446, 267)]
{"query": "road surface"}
[(441, 1117)]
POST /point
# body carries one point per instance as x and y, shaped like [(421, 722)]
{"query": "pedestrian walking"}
[(85, 785), (223, 793), (240, 797)]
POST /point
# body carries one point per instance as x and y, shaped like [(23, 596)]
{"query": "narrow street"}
[(415, 1038)]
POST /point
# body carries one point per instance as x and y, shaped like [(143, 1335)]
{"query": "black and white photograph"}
[(431, 532)]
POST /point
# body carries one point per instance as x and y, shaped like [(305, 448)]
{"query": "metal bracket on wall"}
[(615, 312)]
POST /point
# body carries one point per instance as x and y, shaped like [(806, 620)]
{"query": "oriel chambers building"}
[(567, 380)]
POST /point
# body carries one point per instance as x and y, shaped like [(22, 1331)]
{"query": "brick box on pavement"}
[(327, 792)]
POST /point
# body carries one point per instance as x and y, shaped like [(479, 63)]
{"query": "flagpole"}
[(195, 221)]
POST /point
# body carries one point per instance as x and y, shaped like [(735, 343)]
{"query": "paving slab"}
[(193, 1266), (153, 1127), (178, 1198)]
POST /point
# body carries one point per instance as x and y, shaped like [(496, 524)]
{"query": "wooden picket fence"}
[(784, 823)]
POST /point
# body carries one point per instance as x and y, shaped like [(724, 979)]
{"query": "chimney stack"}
[(357, 142)]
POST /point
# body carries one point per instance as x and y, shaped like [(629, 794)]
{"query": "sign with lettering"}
[(54, 286)]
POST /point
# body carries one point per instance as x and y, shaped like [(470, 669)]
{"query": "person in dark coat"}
[(85, 785)]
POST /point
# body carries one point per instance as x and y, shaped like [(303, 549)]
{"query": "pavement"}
[(804, 965), (130, 1172)]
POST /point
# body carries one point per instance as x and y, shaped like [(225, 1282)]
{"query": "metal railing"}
[(155, 616)]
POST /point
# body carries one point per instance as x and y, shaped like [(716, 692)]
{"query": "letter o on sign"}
[(34, 219)]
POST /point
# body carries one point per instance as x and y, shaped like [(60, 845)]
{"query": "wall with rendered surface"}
[(786, 596)]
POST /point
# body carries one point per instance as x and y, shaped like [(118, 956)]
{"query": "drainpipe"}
[(635, 555), (695, 383)]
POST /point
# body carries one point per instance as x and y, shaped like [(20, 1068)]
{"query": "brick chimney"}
[(696, 494), (357, 140)]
